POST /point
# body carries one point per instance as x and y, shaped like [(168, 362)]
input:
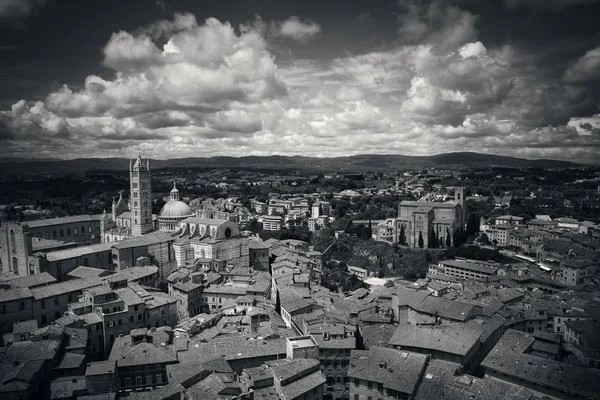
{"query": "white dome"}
[(175, 208)]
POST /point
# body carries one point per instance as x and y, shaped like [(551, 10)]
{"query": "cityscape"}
[(259, 201)]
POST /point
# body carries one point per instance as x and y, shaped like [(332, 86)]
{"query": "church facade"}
[(430, 224)]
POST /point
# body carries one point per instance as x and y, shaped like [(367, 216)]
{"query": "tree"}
[(365, 233), (402, 235), (456, 238), (432, 239), (420, 242), (448, 243)]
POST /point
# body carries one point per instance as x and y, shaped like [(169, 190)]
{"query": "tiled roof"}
[(141, 354), (59, 288), (30, 281), (63, 220), (397, 370), (456, 339), (75, 252), (508, 357)]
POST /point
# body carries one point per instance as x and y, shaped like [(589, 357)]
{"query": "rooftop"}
[(395, 369), (508, 357), (471, 266), (29, 281), (63, 220), (456, 339), (64, 287), (75, 252)]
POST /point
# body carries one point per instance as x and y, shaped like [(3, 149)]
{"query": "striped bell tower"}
[(140, 198)]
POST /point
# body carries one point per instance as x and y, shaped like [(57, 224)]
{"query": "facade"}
[(141, 196), (575, 272), (210, 241), (462, 269), (418, 221), (271, 222)]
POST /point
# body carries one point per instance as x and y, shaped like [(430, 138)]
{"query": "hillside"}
[(365, 162)]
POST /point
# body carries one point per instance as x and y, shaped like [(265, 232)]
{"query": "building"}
[(18, 241), (575, 272), (465, 269), (132, 219), (509, 361), (272, 222), (385, 373), (140, 365), (422, 222), (209, 242), (285, 379), (259, 256), (173, 212)]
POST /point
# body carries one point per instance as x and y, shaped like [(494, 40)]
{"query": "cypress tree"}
[(420, 239), (448, 243)]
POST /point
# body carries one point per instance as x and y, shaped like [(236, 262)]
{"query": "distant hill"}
[(366, 162)]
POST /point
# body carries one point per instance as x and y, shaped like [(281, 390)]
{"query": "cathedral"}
[(431, 223), (133, 218)]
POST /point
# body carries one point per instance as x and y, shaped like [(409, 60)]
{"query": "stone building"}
[(210, 241), (418, 220)]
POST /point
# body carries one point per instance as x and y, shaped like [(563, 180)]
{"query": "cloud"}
[(444, 25), (554, 5), (298, 30), (586, 69), (15, 12), (184, 88)]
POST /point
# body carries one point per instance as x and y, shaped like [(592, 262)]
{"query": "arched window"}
[(74, 231), (90, 229), (13, 239)]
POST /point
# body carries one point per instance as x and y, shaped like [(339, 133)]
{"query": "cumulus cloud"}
[(184, 88), (586, 69), (296, 29)]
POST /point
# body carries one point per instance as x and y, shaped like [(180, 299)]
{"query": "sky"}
[(187, 78)]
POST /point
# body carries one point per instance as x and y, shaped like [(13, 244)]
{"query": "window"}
[(56, 300), (22, 305), (127, 381), (158, 378), (148, 379), (43, 304), (82, 229), (356, 382), (43, 319), (111, 324), (3, 309), (131, 318), (75, 231), (90, 229), (68, 231), (138, 381), (120, 322), (370, 385), (62, 233)]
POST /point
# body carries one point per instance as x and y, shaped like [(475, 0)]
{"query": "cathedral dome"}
[(175, 208)]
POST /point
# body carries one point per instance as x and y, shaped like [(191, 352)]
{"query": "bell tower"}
[(459, 197), (140, 196)]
